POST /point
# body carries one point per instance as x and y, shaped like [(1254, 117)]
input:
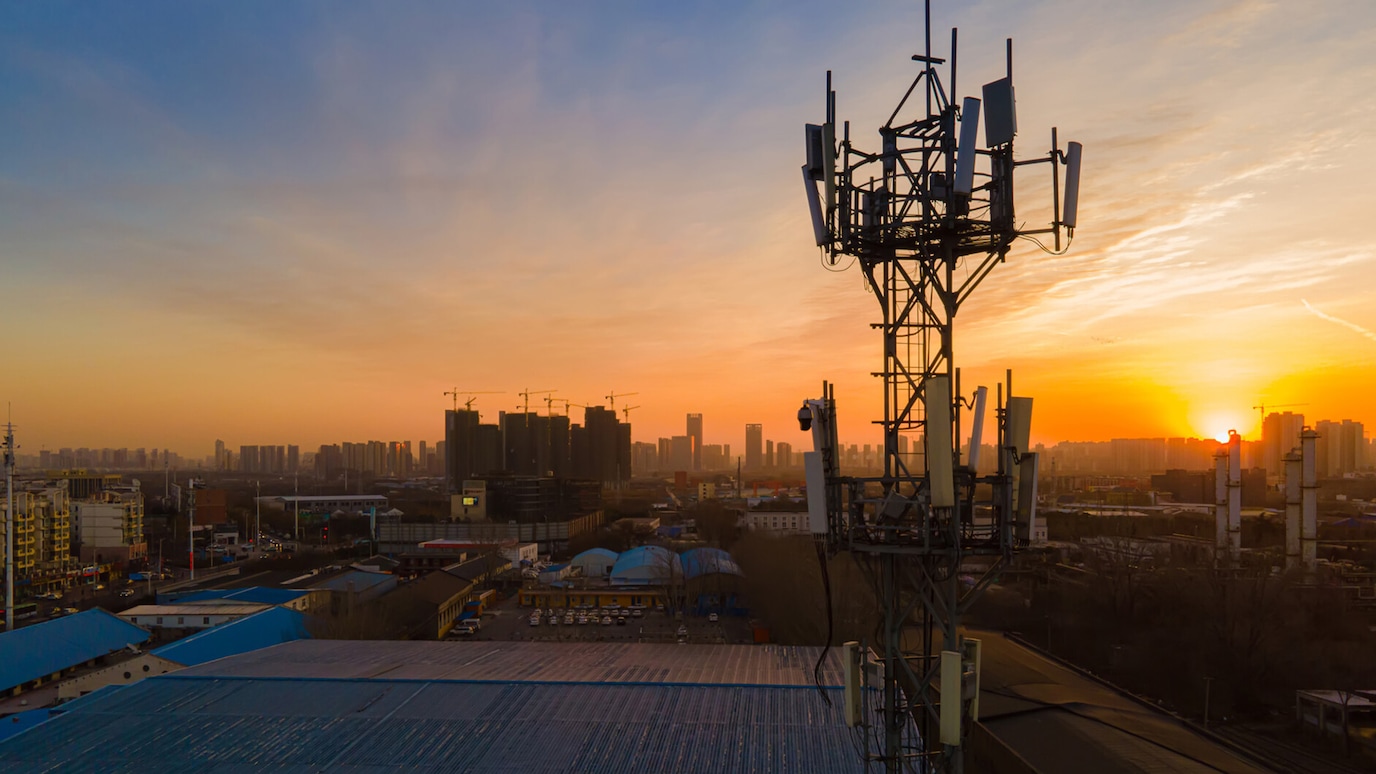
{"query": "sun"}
[(1221, 436)]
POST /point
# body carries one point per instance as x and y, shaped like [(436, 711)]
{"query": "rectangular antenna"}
[(952, 669), (816, 166), (815, 476), (853, 706), (1072, 184), (1000, 113), (1027, 497), (936, 401), (965, 151), (814, 206), (977, 426)]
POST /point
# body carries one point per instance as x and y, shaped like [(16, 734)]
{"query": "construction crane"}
[(568, 403), (613, 396), (626, 412), (468, 404), (527, 393), (1262, 408)]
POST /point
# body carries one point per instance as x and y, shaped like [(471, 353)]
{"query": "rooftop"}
[(203, 608), (537, 661), (390, 715), (260, 630), (31, 652)]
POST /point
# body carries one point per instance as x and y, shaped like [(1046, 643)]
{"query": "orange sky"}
[(313, 246)]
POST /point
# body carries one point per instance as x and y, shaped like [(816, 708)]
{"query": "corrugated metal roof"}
[(257, 594), (541, 661), (273, 626), (356, 580), (205, 607), (202, 723), (31, 652)]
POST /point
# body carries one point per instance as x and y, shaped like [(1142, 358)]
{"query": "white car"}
[(713, 618), (606, 620), (534, 621)]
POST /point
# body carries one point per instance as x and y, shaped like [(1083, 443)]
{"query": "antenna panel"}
[(965, 151), (1000, 113), (814, 206), (977, 426), (940, 476), (1072, 184), (816, 166)]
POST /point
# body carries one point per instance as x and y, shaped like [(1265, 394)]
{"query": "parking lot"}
[(509, 621)]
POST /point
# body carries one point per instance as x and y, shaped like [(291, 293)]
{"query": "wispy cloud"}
[(1339, 321)]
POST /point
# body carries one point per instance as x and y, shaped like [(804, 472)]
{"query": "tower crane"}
[(626, 413), (613, 396), (468, 404), (568, 403), (527, 393), (1262, 408)]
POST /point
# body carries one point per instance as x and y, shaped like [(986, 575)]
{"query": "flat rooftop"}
[(484, 715), (588, 662)]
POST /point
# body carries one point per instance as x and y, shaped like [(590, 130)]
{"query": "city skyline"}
[(308, 225)]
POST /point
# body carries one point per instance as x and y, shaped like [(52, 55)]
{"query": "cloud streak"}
[(1339, 321)]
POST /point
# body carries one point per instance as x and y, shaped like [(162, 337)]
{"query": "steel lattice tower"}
[(926, 219)]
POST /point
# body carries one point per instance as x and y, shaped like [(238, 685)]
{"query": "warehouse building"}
[(315, 705)]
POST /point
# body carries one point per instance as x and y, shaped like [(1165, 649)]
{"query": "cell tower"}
[(926, 218)]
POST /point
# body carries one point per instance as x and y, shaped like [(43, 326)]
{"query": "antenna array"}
[(926, 218)]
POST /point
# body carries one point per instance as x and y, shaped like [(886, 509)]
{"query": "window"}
[(206, 620), (180, 620), (159, 620)]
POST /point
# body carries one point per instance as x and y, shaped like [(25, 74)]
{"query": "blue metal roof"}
[(197, 723), (31, 652), (263, 595), (260, 630), (705, 561)]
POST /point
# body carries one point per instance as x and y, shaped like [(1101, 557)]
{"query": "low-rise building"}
[(109, 526), (185, 617), (778, 522)]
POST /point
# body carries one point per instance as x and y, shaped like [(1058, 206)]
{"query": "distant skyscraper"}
[(769, 454), (1280, 432), (681, 453), (754, 446), (783, 454), (695, 433), (219, 455)]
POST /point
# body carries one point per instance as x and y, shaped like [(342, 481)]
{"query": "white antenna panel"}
[(977, 426), (940, 476), (965, 151), (814, 206), (1072, 184)]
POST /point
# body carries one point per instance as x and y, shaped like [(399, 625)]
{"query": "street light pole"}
[(258, 516)]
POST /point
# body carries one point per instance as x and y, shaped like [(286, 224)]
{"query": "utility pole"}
[(296, 492), (257, 514), (193, 485), (9, 526)]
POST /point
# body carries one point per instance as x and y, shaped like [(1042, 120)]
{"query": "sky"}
[(303, 222)]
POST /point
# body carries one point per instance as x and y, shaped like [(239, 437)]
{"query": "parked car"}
[(606, 620), (637, 613), (713, 618), (126, 593), (534, 621)]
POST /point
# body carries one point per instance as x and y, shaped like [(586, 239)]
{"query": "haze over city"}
[(305, 223)]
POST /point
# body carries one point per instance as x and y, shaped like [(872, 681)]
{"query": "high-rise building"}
[(695, 433), (754, 446), (783, 455), (681, 453), (293, 458), (769, 454), (1340, 449), (1280, 432), (219, 454)]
